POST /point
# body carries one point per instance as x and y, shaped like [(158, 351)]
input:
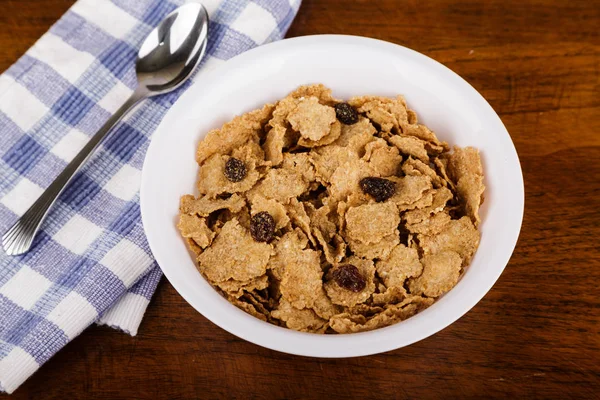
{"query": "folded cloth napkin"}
[(91, 262)]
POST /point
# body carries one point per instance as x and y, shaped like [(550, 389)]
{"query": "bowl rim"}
[(347, 345)]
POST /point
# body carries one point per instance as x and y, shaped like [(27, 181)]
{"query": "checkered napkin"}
[(90, 262)]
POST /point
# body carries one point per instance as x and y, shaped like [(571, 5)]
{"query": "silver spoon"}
[(166, 59)]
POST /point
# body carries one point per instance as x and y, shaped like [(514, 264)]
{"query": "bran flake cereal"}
[(327, 216)]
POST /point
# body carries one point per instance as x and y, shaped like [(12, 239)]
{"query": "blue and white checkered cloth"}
[(90, 262)]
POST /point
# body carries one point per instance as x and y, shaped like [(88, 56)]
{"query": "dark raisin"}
[(262, 227), (235, 170), (349, 277), (346, 114), (381, 189)]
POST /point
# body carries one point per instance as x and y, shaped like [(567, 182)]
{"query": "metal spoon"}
[(165, 60)]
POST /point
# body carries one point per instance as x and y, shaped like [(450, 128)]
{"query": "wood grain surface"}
[(536, 334)]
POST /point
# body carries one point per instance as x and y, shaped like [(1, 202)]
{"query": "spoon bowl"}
[(173, 49)]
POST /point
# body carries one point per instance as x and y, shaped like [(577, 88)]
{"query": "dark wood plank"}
[(535, 335), (23, 22)]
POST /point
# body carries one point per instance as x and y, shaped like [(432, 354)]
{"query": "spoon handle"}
[(18, 239)]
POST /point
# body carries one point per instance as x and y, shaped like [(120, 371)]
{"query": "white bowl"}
[(350, 66)]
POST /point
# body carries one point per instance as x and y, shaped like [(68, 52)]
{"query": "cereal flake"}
[(440, 274), (312, 119), (234, 255)]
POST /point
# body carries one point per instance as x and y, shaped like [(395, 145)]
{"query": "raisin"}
[(235, 170), (381, 189), (262, 227), (346, 114), (349, 277)]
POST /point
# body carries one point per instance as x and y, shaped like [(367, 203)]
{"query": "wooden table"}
[(536, 334)]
